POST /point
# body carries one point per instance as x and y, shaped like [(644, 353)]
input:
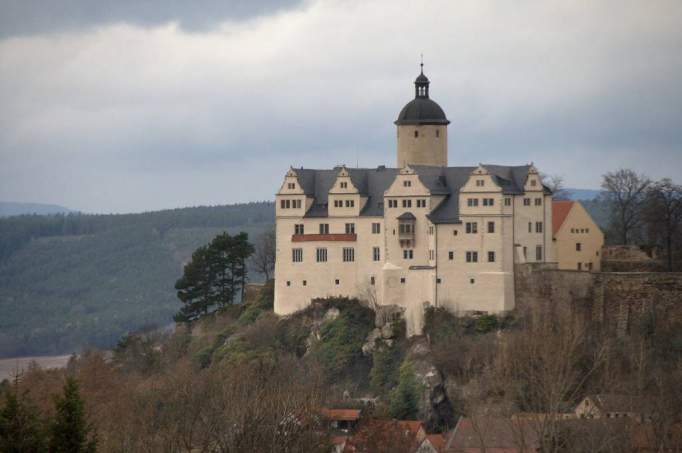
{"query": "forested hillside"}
[(75, 280)]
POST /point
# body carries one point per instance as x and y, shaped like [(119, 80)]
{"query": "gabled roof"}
[(407, 216), (494, 434), (560, 210), (373, 182), (609, 402)]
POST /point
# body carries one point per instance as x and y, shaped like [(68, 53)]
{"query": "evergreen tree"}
[(404, 403), (195, 286), (216, 274), (384, 373), (21, 430), (70, 432)]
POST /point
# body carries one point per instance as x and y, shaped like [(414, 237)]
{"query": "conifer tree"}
[(404, 403), (70, 432), (21, 430), (195, 286)]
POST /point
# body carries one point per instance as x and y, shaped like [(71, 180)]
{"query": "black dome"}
[(421, 110)]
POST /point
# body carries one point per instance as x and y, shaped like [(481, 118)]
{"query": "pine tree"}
[(21, 430), (70, 432), (404, 403), (195, 286)]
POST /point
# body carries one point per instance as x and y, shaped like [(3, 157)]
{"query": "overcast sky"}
[(139, 105)]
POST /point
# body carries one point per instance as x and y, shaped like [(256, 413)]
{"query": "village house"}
[(421, 233)]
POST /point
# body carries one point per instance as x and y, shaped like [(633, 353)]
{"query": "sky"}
[(139, 105)]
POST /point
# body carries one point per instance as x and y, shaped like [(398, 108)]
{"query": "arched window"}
[(416, 134)]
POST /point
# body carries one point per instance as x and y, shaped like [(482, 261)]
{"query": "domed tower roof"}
[(421, 110)]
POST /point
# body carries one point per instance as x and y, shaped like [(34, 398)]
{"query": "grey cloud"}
[(26, 17)]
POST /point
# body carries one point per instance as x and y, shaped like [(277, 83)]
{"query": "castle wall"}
[(622, 302)]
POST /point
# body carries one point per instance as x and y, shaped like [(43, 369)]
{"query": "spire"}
[(421, 84)]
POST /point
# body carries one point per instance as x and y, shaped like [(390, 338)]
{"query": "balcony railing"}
[(324, 238)]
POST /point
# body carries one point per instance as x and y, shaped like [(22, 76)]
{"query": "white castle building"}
[(420, 234)]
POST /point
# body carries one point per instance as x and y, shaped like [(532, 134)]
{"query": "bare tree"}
[(555, 183), (263, 257), (626, 191), (662, 215)]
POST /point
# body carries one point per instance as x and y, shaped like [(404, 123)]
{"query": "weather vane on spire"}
[(422, 62)]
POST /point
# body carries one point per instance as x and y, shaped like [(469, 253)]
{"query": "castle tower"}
[(422, 129)]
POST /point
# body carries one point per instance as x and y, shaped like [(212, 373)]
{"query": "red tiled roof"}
[(437, 440), (560, 210), (341, 414)]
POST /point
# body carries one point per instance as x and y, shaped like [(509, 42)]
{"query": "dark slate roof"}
[(407, 216), (421, 110), (373, 182)]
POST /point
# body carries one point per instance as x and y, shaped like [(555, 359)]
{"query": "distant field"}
[(9, 366)]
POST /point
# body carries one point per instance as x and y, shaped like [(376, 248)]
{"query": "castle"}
[(423, 233)]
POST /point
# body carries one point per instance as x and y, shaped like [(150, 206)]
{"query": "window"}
[(350, 228), (297, 204), (305, 283), (376, 228), (392, 203), (321, 255), (472, 257), (405, 243), (472, 281), (437, 133), (344, 185), (488, 202), (421, 203), (407, 203), (405, 228), (454, 232), (336, 282), (297, 255), (408, 254), (491, 227), (298, 228), (402, 280), (350, 203), (538, 253), (416, 134), (525, 253), (530, 227), (431, 230), (480, 183), (472, 202), (376, 254), (472, 227), (580, 266), (371, 280), (538, 227), (338, 203), (285, 204), (291, 185), (438, 280), (288, 283), (589, 266), (348, 254), (533, 182), (432, 255), (451, 255), (324, 228), (538, 202), (526, 201), (407, 183), (578, 246), (507, 201), (491, 257)]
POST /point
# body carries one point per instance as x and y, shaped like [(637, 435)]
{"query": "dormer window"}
[(407, 183), (344, 185), (533, 182), (291, 185), (480, 183)]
